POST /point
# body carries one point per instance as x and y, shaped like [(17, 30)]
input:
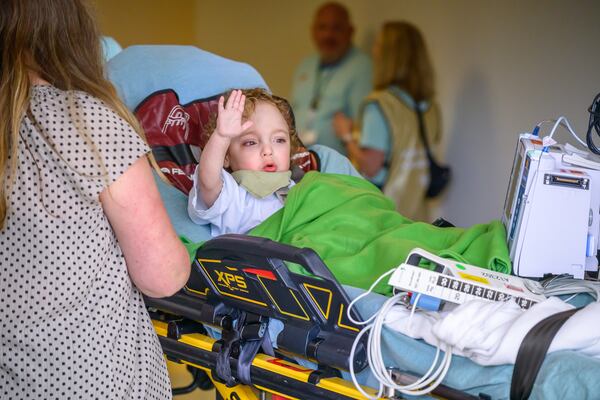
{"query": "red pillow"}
[(172, 127)]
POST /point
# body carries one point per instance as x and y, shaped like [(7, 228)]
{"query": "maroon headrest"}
[(172, 127)]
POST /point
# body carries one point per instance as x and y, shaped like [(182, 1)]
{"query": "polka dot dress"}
[(72, 325)]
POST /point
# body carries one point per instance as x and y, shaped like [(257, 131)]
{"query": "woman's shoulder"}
[(69, 101), (377, 94), (386, 98), (397, 96), (64, 114)]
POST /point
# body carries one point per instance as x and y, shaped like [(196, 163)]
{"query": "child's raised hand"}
[(229, 120)]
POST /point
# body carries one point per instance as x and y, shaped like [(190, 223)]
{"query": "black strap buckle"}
[(241, 341)]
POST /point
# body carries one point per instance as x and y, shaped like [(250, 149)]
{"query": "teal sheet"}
[(564, 374)]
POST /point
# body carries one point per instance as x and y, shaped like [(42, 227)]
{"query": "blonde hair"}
[(404, 61), (255, 96), (59, 41)]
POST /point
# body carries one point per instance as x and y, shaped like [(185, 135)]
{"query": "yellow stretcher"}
[(269, 374), (239, 284)]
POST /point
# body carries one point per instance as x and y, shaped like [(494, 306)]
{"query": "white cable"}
[(571, 297), (562, 121), (560, 285), (352, 373), (427, 383), (349, 314), (422, 385), (412, 313)]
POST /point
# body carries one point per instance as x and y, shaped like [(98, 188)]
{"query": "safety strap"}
[(243, 342), (532, 352), (223, 369), (252, 341)]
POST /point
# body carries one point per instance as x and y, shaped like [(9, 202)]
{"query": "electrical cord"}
[(566, 284), (594, 124), (554, 286), (561, 121), (427, 383)]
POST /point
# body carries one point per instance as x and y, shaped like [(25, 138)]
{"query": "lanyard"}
[(321, 85)]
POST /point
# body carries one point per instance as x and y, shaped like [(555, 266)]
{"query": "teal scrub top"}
[(338, 87)]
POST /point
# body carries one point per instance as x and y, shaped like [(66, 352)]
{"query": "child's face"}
[(265, 146)]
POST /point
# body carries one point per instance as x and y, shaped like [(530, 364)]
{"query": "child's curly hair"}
[(254, 96)]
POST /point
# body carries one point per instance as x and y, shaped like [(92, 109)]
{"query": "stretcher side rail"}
[(239, 282), (273, 375), (269, 374)]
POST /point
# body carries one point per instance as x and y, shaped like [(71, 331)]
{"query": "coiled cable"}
[(594, 124)]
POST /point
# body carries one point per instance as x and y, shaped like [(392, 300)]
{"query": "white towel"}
[(490, 333)]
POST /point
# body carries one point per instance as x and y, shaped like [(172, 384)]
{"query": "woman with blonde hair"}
[(83, 232), (385, 143)]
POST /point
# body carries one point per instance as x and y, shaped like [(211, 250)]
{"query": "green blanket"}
[(359, 234)]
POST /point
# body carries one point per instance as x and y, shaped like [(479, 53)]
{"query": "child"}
[(244, 169)]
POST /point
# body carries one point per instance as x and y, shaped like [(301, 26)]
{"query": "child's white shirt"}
[(234, 211)]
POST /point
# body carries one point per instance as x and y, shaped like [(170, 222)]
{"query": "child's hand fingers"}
[(236, 101), (231, 99), (241, 103), (221, 102)]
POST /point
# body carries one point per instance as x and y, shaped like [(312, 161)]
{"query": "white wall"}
[(147, 21), (272, 35), (501, 67)]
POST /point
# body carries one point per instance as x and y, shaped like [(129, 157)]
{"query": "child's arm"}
[(229, 126)]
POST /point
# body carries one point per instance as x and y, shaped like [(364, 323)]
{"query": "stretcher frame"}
[(245, 262)]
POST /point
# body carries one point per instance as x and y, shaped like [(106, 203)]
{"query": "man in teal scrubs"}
[(334, 80)]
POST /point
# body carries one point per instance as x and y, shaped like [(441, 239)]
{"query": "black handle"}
[(267, 248)]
